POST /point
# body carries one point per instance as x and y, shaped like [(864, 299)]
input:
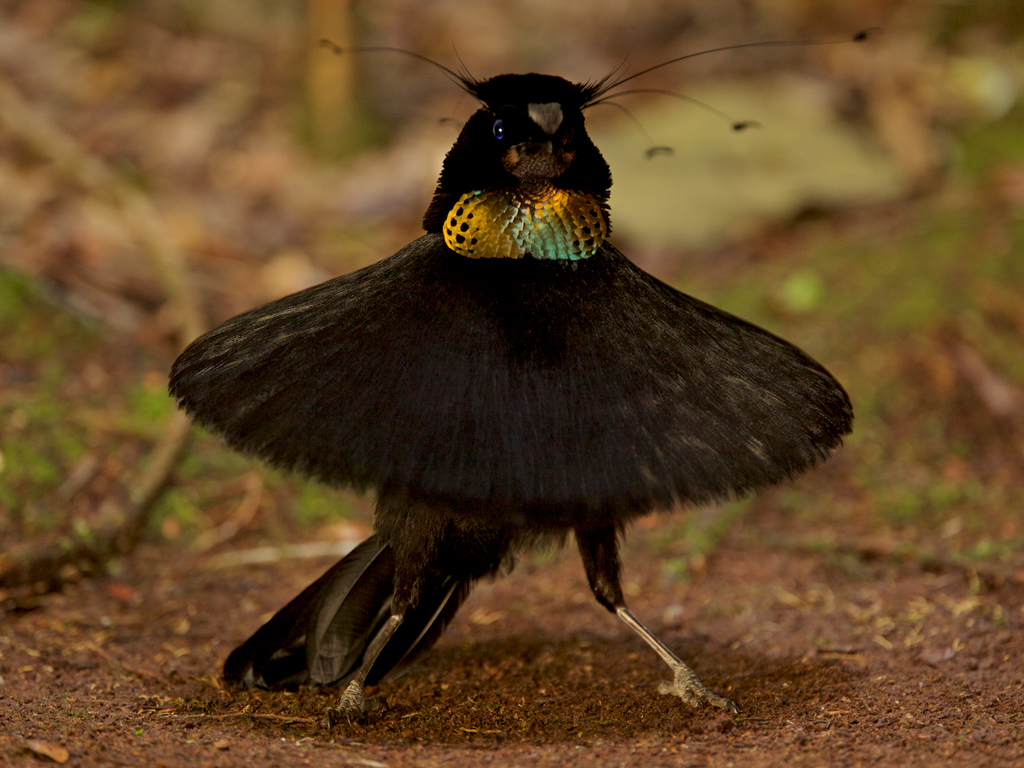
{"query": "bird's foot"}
[(351, 706), (688, 687)]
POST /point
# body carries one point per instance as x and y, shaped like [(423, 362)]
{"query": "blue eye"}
[(499, 129)]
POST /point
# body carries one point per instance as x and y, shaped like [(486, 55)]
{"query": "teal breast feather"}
[(547, 223)]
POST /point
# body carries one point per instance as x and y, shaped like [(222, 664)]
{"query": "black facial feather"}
[(509, 375), (474, 162)]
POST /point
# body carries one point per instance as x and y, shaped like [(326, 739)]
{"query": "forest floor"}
[(845, 660)]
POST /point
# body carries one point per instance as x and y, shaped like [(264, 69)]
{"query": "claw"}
[(350, 707), (353, 706), (691, 690)]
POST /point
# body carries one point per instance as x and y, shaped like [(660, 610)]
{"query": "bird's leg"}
[(352, 703), (599, 549), (430, 547), (686, 684), (414, 541)]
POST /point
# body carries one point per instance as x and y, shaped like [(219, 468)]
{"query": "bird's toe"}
[(688, 687), (350, 707)]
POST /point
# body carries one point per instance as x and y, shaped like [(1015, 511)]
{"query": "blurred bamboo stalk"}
[(47, 564), (330, 78)]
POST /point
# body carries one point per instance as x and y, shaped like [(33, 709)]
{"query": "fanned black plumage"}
[(506, 376), (516, 388)]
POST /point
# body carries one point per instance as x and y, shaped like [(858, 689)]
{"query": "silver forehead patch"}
[(547, 116)]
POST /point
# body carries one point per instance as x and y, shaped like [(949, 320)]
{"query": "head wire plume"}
[(596, 92), (463, 78), (603, 88), (602, 91)]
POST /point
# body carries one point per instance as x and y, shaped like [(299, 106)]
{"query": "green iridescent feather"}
[(548, 223)]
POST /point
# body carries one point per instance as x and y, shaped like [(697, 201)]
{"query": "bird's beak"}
[(536, 159)]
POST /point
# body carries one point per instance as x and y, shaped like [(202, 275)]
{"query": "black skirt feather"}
[(538, 393)]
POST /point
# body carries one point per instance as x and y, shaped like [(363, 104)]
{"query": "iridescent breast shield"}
[(545, 222)]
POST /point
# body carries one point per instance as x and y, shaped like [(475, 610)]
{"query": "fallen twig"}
[(241, 517), (32, 565), (135, 670), (254, 715), (1003, 399), (283, 552)]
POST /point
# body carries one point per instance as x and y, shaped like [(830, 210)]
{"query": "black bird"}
[(509, 376)]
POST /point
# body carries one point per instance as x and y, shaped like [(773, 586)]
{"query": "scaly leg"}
[(436, 555), (686, 684), (600, 552), (352, 703)]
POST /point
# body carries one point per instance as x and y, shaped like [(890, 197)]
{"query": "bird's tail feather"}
[(320, 637)]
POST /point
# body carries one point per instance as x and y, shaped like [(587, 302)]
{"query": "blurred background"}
[(167, 164)]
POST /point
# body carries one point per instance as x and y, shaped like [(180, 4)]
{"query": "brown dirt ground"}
[(882, 662)]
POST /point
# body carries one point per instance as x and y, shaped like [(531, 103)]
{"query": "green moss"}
[(696, 537), (209, 456), (32, 329), (148, 407), (175, 503), (317, 505), (993, 144), (802, 291), (899, 505), (41, 436), (13, 291)]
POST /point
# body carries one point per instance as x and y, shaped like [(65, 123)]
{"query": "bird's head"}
[(523, 178)]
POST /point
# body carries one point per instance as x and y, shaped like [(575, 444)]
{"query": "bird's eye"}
[(499, 129)]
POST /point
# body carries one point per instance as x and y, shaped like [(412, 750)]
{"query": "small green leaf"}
[(802, 291)]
